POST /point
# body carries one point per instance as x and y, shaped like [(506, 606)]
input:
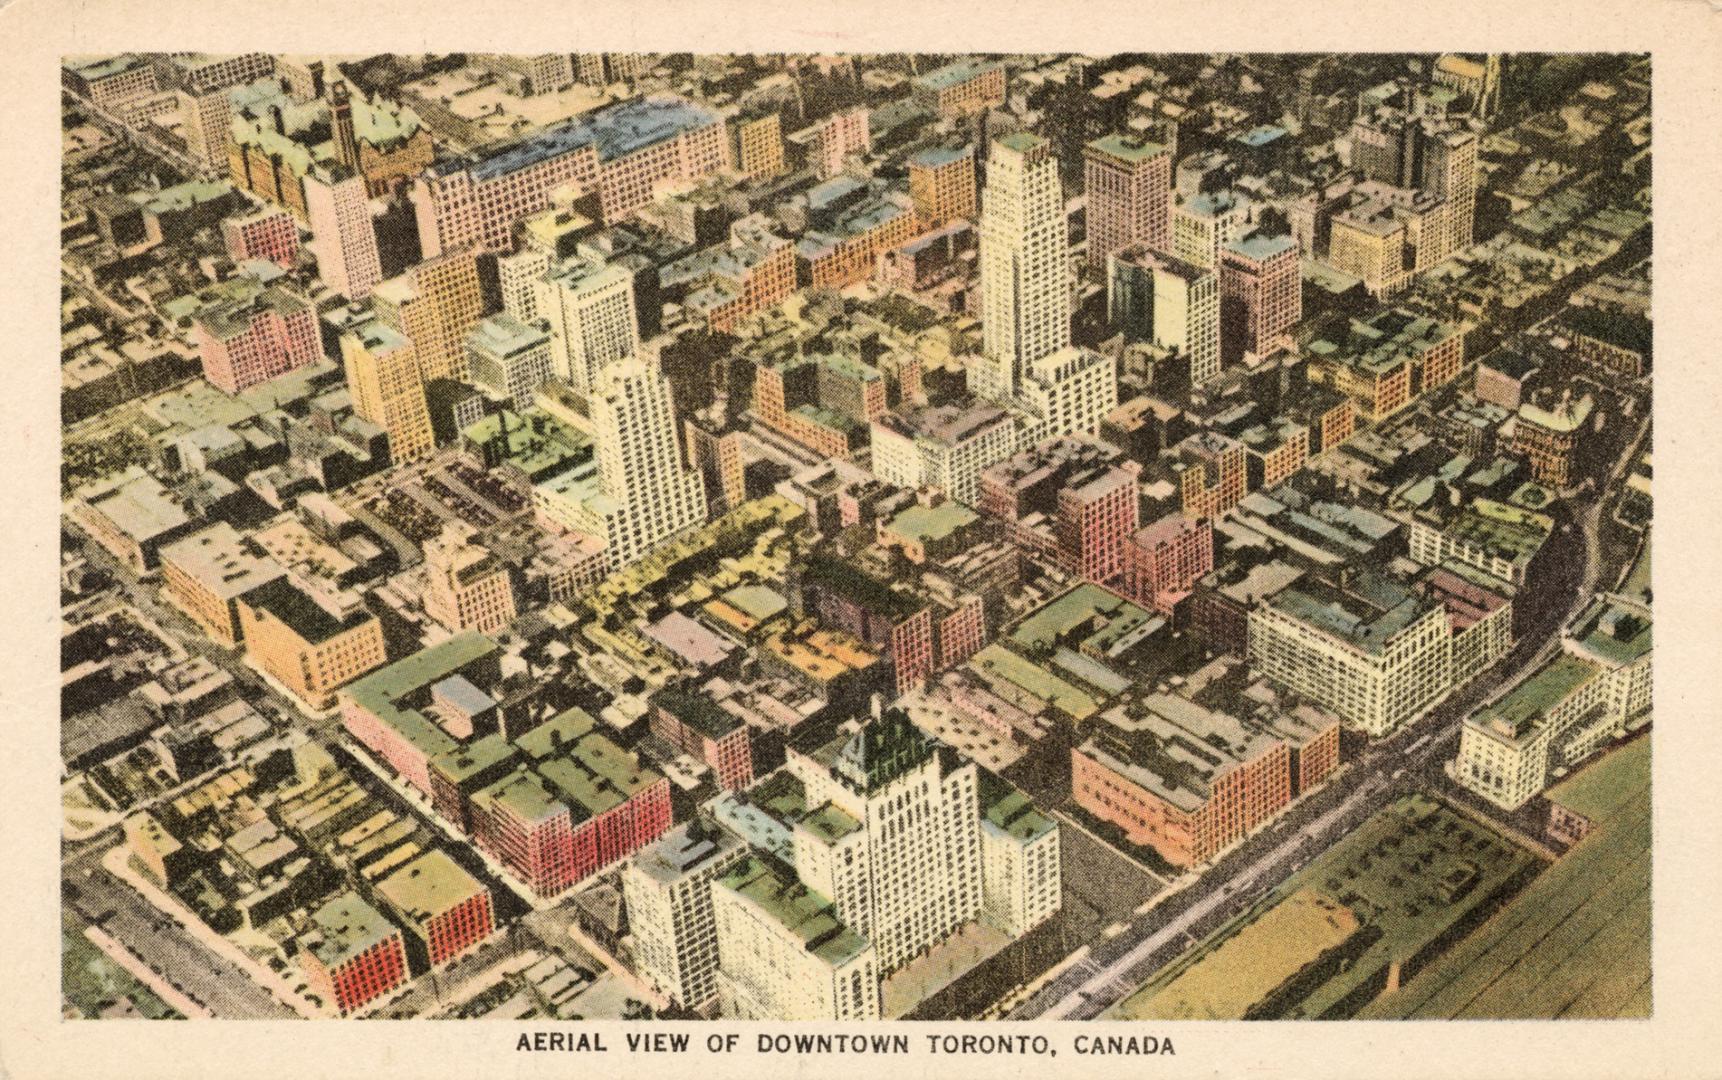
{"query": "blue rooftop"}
[(615, 131)]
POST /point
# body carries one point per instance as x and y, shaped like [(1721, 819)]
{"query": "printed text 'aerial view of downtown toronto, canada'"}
[(625, 536)]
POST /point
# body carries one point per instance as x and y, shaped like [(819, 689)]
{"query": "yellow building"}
[(435, 305), (206, 574), (310, 639), (756, 145), (388, 390)]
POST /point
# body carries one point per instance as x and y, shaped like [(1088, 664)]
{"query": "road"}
[(167, 948), (1386, 771)]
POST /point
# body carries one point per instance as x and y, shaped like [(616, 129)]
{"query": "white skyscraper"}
[(590, 306), (668, 887), (1028, 364), (342, 235), (1025, 271), (640, 495)]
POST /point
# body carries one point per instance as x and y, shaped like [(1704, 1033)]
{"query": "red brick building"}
[(447, 908), (697, 725), (1166, 560), (1261, 294), (1188, 781), (351, 954), (270, 233)]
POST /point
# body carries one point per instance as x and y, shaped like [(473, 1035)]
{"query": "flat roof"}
[(348, 927), (1366, 615), (218, 560), (613, 131), (428, 886), (808, 915)]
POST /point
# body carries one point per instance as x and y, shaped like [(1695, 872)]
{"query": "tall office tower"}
[(1261, 293), (387, 388), (342, 235), (593, 321), (916, 874), (509, 359), (1159, 298), (436, 305), (1024, 273), (1206, 222), (668, 891), (640, 462), (1129, 186), (1450, 172), (756, 143)]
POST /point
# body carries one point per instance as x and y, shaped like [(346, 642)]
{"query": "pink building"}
[(1167, 559), (1261, 294), (247, 333), (270, 234), (343, 237), (828, 144), (1096, 517), (621, 152), (1128, 182)]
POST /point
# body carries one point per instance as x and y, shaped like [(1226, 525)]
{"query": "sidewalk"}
[(142, 972), (116, 862)]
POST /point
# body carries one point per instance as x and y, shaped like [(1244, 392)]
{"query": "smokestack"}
[(280, 121)]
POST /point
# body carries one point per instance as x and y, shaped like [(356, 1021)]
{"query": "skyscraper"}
[(639, 495), (1261, 293), (436, 305), (342, 236), (1025, 283), (1159, 298), (1128, 181), (387, 388), (593, 322)]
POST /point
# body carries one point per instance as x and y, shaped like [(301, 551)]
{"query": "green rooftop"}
[(348, 926), (1106, 617), (428, 886), (798, 909), (1127, 148), (1615, 633), (1006, 808), (381, 692), (476, 757), (757, 602), (525, 794), (930, 524), (1532, 699)]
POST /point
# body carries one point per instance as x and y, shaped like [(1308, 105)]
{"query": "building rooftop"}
[(219, 560), (613, 131), (696, 710), (1007, 809), (1366, 615), (1129, 148), (1258, 246), (930, 524), (1518, 714), (136, 503), (301, 611), (808, 915), (1611, 631), (504, 335), (347, 927), (683, 850), (952, 74), (428, 886)]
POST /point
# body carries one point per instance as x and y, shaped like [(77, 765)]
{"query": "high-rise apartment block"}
[(1205, 223), (1372, 651), (1025, 276), (622, 151), (1167, 558), (637, 494), (756, 144), (827, 145), (593, 323), (1128, 182)]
